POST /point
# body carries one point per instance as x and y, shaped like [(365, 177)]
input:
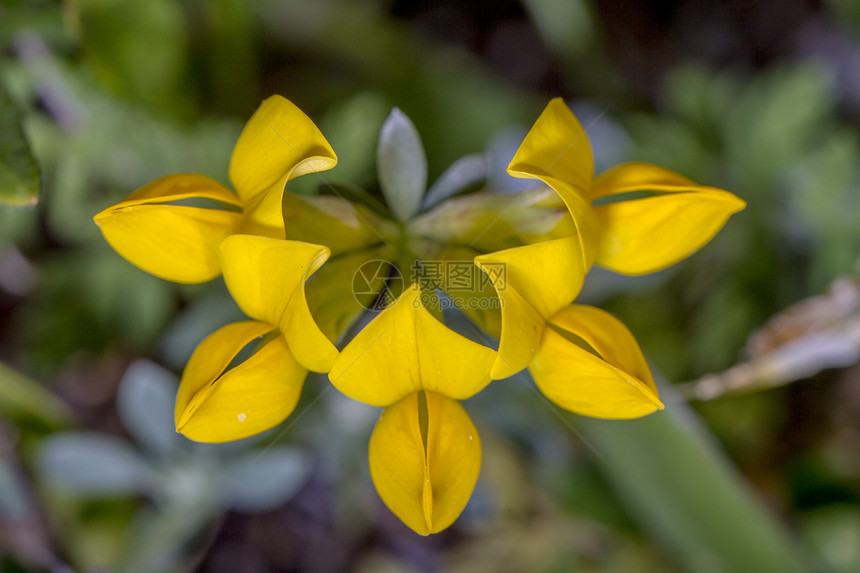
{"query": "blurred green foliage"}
[(19, 175), (188, 483)]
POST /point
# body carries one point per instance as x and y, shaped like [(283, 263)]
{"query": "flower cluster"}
[(533, 250)]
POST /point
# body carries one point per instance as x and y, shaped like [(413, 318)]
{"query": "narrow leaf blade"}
[(683, 491), (19, 172), (402, 165)]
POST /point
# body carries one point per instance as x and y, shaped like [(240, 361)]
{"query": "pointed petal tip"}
[(278, 141), (590, 363), (556, 146), (739, 204), (216, 403)]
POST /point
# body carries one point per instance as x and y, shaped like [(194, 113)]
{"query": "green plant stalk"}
[(19, 174), (22, 397), (680, 488)]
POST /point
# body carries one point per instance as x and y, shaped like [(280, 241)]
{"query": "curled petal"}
[(588, 362), (586, 224), (425, 476), (557, 152), (176, 188), (264, 213), (638, 176), (404, 350), (279, 142), (648, 234), (267, 279), (533, 282), (175, 242), (217, 406), (556, 147)]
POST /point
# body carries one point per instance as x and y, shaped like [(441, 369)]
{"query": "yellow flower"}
[(632, 237), (267, 278), (581, 357), (425, 453), (628, 236), (153, 230)]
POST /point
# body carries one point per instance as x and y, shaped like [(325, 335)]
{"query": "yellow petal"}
[(533, 283), (557, 152), (649, 234), (176, 188), (608, 336), (278, 142), (637, 176), (264, 213), (405, 349), (615, 384), (585, 222), (175, 242), (267, 279), (556, 147), (425, 485), (217, 406)]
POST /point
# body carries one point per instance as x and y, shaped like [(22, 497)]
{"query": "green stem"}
[(681, 488)]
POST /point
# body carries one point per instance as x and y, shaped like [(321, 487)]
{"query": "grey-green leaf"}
[(145, 401), (19, 173), (402, 165), (463, 173), (263, 480), (94, 465), (14, 502)]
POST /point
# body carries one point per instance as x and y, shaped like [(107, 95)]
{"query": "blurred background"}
[(754, 465)]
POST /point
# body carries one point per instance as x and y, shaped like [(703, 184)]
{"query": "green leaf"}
[(402, 165), (21, 397), (462, 174), (830, 531), (144, 402), (262, 480), (487, 222), (567, 27), (19, 173), (352, 128), (682, 490), (333, 221), (774, 121), (138, 49), (355, 194), (94, 465), (14, 502)]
